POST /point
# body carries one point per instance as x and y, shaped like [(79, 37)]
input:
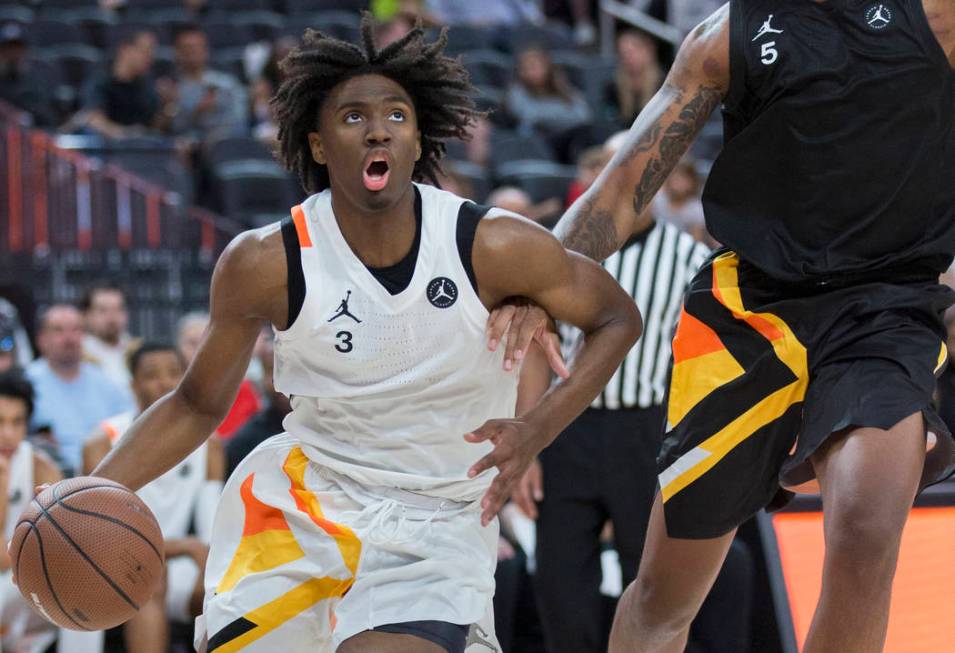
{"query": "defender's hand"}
[(523, 322), (529, 490), (516, 445)]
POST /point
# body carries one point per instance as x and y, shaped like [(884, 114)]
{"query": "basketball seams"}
[(49, 583), (113, 520), (89, 560)]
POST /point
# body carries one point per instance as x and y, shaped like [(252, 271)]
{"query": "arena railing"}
[(57, 199), (613, 10)]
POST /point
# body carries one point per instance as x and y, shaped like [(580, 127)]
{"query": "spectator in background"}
[(190, 331), (72, 396), (207, 104), (122, 102), (264, 126), (107, 342), (187, 493), (487, 12), (589, 166), (516, 200), (679, 202), (684, 14), (22, 468), (541, 98), (18, 83), (268, 421), (638, 75), (21, 352)]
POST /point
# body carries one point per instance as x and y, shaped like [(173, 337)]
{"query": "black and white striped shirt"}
[(655, 268)]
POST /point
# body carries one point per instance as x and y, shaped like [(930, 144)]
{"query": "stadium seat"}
[(76, 62), (226, 34), (462, 38), (252, 191), (92, 20), (239, 5), (118, 31), (507, 147), (66, 4), (44, 33), (542, 180), (263, 25), (16, 13), (488, 67), (553, 36), (235, 148), (475, 175), (293, 7), (339, 24)]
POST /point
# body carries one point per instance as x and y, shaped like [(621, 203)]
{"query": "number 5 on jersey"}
[(344, 342), (769, 53)]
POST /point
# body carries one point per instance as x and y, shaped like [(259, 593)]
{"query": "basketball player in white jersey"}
[(360, 529), (185, 494), (22, 467)]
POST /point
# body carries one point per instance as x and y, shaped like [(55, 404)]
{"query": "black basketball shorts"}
[(763, 373)]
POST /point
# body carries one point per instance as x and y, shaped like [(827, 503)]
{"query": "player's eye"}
[(397, 115), (352, 118)]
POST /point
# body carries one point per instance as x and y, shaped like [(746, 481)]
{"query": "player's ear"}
[(417, 156), (315, 145)]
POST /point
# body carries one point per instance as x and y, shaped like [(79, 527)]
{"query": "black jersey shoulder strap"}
[(469, 215), (296, 275)]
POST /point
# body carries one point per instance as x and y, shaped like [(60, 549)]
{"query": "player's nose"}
[(378, 132)]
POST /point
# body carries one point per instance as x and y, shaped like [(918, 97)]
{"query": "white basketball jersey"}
[(20, 486), (172, 496), (383, 386)]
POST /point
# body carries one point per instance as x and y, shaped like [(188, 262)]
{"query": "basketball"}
[(87, 553)]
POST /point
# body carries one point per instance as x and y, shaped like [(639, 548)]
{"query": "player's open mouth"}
[(376, 174)]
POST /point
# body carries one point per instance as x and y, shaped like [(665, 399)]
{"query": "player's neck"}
[(379, 238)]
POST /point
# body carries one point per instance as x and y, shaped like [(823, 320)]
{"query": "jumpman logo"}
[(878, 17), (477, 635), (443, 293), (767, 28), (343, 310)]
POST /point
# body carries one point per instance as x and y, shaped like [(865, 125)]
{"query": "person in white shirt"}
[(107, 341)]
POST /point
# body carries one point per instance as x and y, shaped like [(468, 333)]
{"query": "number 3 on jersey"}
[(769, 53), (344, 342)]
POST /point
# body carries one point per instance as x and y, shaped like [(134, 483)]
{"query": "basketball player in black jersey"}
[(363, 122), (808, 347)]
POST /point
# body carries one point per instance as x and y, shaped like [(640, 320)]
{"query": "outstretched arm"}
[(513, 256), (602, 220), (248, 287)]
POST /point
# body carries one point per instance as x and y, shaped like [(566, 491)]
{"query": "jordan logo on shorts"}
[(476, 635), (343, 310), (767, 28)]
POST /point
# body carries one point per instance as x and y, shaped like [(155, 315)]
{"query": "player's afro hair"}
[(438, 86)]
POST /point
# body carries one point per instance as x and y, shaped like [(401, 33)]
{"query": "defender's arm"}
[(248, 287), (602, 220), (513, 256)]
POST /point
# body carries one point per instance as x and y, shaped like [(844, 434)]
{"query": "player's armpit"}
[(602, 220)]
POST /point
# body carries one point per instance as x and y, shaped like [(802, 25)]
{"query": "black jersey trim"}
[(296, 275), (738, 64), (469, 215)]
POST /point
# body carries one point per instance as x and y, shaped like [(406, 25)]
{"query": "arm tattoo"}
[(592, 231), (673, 145)]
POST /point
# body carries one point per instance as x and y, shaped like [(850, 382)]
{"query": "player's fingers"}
[(514, 350), (485, 432), (551, 345), (492, 503), (40, 488), (498, 323), (537, 486), (522, 496), (487, 462)]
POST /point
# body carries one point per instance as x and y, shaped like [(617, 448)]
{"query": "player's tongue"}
[(376, 175)]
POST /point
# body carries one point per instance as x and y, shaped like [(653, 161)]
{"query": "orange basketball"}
[(87, 553)]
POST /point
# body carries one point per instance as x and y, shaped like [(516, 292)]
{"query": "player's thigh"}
[(388, 643), (869, 478), (676, 574)]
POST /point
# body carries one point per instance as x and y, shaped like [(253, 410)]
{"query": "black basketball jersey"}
[(840, 148)]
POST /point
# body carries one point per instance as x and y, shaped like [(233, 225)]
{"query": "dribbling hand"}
[(516, 445), (523, 322)]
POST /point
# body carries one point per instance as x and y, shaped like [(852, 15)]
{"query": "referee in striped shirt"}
[(603, 467)]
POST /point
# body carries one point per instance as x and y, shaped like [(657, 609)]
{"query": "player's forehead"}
[(12, 406), (367, 90)]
